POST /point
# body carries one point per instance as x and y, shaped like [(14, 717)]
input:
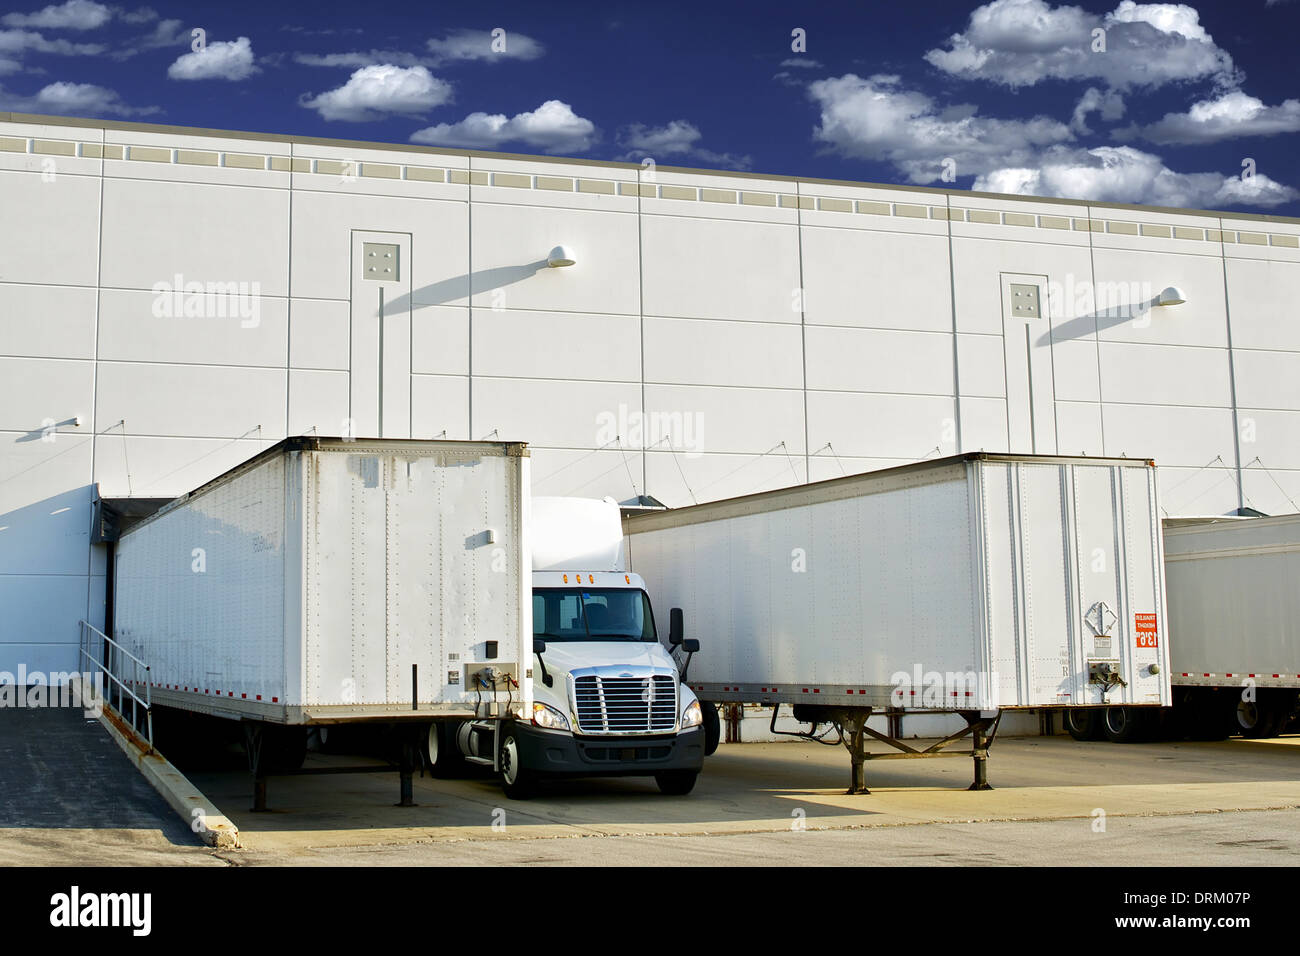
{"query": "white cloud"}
[(677, 138), (802, 62), (17, 42), (73, 99), (875, 118), (1022, 42), (138, 15), (457, 46), (72, 15), (219, 60), (481, 45), (553, 127), (1127, 175), (1231, 115), (373, 92), (165, 33), (358, 59), (1109, 104)]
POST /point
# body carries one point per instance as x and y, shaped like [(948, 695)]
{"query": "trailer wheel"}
[(676, 783), (1122, 725), (1285, 702), (518, 782), (1273, 710), (1252, 718), (441, 752), (712, 727), (1082, 723)]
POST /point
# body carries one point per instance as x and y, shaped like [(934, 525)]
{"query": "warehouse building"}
[(173, 300)]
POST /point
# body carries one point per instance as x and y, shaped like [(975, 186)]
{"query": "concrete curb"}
[(216, 830)]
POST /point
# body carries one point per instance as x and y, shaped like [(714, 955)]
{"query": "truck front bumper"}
[(559, 753)]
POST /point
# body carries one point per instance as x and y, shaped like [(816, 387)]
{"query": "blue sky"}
[(1169, 104)]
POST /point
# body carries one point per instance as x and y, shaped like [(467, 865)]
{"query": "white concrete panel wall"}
[(720, 335), (1262, 296)]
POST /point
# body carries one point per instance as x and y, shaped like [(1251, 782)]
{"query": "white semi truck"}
[(608, 699), (330, 583), (968, 585), (1234, 619)]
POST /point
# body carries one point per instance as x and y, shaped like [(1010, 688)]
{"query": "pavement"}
[(1234, 802), (47, 758)]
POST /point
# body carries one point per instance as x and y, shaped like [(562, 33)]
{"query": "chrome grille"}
[(625, 705)]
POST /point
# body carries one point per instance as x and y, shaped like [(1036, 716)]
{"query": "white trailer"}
[(971, 584), (329, 581), (1234, 605)]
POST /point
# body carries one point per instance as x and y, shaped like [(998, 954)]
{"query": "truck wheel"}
[(712, 727), (1285, 710), (1275, 707), (1251, 718), (676, 783), (1082, 723), (518, 782), (441, 752), (1122, 725)]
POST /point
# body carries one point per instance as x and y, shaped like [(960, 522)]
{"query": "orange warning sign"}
[(1146, 630)]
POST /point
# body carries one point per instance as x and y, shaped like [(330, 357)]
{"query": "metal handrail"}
[(107, 662)]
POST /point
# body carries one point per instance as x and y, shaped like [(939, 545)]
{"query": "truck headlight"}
[(546, 716), (692, 716)]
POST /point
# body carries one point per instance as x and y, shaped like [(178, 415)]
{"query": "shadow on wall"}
[(475, 283), (1100, 320), (45, 557), (49, 536)]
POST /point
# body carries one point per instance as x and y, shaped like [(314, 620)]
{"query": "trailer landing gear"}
[(264, 761), (254, 737), (406, 770), (852, 725)]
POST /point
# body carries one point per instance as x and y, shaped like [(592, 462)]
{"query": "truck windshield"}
[(592, 614)]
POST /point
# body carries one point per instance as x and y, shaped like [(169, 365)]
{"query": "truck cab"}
[(608, 696)]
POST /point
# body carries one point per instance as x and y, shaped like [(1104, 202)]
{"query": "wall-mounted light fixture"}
[(561, 256), (1171, 296)]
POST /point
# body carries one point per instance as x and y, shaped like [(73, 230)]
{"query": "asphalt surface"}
[(60, 770), (782, 804)]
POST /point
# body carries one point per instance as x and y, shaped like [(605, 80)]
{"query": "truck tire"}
[(1276, 707), (712, 727), (1286, 703), (676, 783), (1252, 718), (1122, 725), (518, 782), (441, 752), (1082, 723)]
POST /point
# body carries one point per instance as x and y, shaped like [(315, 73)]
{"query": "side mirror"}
[(675, 626), (539, 648), (691, 645)]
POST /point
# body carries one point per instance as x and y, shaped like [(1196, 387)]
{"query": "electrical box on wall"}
[(381, 261), (1024, 301)]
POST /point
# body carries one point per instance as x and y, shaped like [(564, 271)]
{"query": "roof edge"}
[(88, 123)]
